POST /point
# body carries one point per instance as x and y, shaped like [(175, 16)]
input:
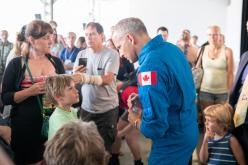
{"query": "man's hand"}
[(132, 97), (77, 78), (80, 68), (133, 115)]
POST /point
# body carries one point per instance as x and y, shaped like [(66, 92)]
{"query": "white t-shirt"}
[(99, 99)]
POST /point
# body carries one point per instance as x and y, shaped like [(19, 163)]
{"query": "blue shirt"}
[(244, 74), (69, 55), (220, 152), (167, 94)]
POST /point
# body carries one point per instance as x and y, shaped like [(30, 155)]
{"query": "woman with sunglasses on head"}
[(20, 91)]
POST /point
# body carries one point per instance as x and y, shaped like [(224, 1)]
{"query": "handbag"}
[(46, 113), (197, 70)]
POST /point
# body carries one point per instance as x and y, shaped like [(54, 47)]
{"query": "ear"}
[(102, 36), (131, 39), (31, 40), (58, 98)]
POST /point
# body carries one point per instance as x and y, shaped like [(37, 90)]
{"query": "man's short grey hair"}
[(214, 27), (129, 25)]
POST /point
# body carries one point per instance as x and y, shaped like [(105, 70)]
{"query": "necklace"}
[(213, 53)]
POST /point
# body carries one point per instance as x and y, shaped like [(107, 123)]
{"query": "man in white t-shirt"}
[(99, 91)]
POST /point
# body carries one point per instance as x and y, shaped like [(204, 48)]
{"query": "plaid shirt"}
[(5, 49)]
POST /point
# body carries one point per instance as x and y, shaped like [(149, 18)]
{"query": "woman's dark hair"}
[(35, 29), (38, 29)]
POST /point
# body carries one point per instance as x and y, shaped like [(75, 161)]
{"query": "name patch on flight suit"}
[(147, 78)]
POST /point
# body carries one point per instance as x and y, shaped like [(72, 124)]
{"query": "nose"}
[(122, 55), (75, 90), (50, 41)]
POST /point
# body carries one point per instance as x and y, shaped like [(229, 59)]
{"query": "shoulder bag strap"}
[(32, 80), (198, 62)]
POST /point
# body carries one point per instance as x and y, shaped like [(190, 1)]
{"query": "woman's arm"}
[(12, 77), (35, 89), (237, 151), (11, 91), (230, 68)]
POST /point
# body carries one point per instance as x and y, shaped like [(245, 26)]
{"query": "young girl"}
[(219, 146)]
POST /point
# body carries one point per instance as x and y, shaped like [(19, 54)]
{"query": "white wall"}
[(195, 15), (16, 13), (110, 12), (70, 15), (176, 15), (233, 27)]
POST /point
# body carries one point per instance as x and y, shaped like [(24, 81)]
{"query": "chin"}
[(77, 100), (132, 60)]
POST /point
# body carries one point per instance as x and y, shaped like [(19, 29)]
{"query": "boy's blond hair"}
[(76, 143), (223, 113), (55, 86)]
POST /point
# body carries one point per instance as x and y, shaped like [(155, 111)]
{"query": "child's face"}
[(70, 95), (212, 126)]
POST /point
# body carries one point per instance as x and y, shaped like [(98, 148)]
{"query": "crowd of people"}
[(94, 96)]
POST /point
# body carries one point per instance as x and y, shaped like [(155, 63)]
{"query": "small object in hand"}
[(136, 104), (82, 61)]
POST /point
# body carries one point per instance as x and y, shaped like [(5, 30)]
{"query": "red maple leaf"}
[(146, 78)]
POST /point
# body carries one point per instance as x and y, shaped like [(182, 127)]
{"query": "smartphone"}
[(82, 61)]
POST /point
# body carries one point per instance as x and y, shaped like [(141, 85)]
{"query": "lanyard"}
[(69, 53)]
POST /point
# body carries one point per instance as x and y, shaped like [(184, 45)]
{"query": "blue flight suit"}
[(169, 111)]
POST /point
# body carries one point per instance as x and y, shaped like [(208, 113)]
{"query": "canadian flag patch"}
[(147, 78)]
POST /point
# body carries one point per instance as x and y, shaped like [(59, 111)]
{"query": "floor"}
[(127, 159)]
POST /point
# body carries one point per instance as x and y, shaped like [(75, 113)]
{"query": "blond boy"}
[(62, 93)]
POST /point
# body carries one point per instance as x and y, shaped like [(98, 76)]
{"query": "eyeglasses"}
[(213, 35)]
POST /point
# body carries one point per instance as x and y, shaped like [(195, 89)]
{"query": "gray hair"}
[(216, 27), (129, 25)]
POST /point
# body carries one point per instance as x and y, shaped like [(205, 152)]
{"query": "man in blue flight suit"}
[(166, 92)]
